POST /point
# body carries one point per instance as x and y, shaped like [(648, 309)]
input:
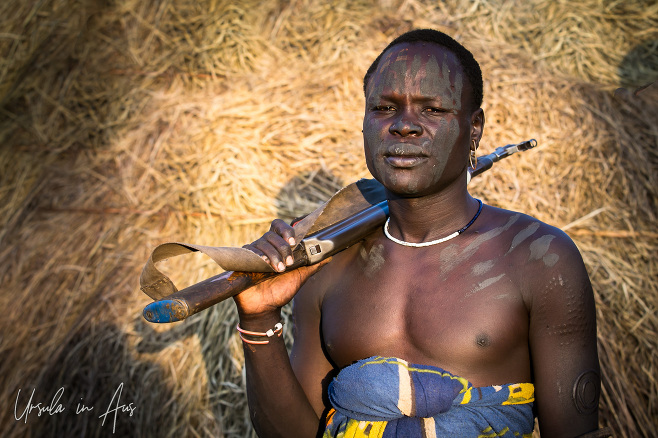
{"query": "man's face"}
[(417, 124)]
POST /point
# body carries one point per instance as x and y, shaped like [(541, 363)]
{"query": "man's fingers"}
[(312, 269), (284, 230), (298, 277), (273, 249), (274, 292), (275, 246), (279, 251), (257, 251)]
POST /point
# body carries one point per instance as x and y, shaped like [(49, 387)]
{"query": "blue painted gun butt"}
[(186, 302)]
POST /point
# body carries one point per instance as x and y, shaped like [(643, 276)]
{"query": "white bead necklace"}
[(433, 242)]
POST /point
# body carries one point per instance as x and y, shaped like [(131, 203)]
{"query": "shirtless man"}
[(507, 300)]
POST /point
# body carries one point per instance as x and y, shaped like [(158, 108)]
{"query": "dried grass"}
[(125, 124)]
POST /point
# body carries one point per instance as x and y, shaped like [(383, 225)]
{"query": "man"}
[(497, 299)]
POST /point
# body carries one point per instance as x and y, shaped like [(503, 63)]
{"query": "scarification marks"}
[(451, 258), (568, 321), (523, 235), (484, 284), (539, 250), (586, 391), (374, 259), (482, 267), (539, 247)]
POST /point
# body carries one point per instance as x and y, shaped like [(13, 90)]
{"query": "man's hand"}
[(268, 297), (275, 247)]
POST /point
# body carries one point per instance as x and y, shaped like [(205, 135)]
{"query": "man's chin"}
[(404, 188)]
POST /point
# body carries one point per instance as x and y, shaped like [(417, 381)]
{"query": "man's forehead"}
[(423, 69), (418, 53)]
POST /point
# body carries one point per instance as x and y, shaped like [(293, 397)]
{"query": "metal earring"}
[(473, 159)]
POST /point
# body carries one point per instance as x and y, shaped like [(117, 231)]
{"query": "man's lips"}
[(404, 155), (404, 161)]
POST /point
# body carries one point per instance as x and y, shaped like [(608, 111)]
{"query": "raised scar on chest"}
[(484, 284), (482, 267), (374, 259)]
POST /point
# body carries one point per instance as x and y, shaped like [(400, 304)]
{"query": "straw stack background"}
[(125, 124)]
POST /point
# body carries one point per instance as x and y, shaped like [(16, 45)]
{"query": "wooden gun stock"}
[(312, 249)]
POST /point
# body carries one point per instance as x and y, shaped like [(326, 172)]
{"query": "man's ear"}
[(477, 126)]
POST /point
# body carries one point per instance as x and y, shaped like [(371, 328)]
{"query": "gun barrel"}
[(485, 162)]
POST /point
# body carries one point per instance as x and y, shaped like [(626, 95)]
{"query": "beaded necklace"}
[(433, 242)]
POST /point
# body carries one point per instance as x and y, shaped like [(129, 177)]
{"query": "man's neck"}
[(431, 217)]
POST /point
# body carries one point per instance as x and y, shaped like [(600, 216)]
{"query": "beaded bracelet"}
[(278, 330)]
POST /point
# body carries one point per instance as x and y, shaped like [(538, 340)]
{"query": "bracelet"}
[(278, 330)]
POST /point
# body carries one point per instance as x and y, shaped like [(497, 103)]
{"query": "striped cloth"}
[(386, 397)]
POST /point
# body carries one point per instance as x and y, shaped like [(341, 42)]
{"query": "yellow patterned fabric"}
[(384, 397)]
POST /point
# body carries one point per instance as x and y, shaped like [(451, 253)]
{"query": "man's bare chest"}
[(424, 309)]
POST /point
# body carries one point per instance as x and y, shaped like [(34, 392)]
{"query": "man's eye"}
[(434, 110), (384, 108)]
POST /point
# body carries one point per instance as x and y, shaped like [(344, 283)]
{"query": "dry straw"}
[(125, 124)]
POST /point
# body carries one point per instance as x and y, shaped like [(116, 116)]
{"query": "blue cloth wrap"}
[(388, 397)]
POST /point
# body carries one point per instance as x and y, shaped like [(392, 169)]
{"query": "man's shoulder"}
[(539, 252), (313, 291), (523, 230)]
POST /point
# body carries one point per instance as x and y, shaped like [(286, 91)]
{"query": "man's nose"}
[(405, 124)]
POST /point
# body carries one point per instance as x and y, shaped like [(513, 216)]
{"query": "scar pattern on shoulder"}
[(586, 392), (539, 249), (523, 235), (450, 256)]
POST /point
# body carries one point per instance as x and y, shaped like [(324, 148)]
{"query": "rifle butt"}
[(197, 297)]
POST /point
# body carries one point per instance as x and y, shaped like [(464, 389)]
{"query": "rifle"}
[(312, 249)]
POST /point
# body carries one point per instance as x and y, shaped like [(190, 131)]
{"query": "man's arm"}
[(278, 403), (308, 359), (563, 342)]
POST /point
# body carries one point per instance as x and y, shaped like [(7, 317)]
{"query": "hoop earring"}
[(473, 159)]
